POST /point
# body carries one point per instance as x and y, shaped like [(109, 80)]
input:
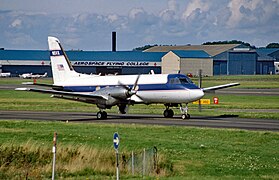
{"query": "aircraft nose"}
[(197, 94)]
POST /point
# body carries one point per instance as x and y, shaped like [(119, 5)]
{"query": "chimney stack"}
[(113, 41)]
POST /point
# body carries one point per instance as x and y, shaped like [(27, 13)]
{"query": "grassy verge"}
[(246, 81), (86, 151)]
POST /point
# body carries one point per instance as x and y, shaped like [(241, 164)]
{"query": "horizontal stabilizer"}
[(213, 88)]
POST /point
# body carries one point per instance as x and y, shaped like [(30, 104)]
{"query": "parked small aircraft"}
[(5, 74), (32, 76), (172, 90)]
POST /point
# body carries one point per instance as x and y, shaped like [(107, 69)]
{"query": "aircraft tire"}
[(185, 116), (168, 113), (105, 115), (102, 115), (122, 109)]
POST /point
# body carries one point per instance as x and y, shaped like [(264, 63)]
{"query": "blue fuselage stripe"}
[(142, 87)]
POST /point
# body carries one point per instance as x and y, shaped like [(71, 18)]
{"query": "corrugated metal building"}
[(105, 62), (266, 59), (187, 62), (241, 61), (230, 59)]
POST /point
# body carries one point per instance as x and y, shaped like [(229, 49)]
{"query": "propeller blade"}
[(130, 91), (136, 83), (124, 86)]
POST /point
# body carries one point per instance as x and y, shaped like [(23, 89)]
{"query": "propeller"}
[(130, 91), (200, 86)]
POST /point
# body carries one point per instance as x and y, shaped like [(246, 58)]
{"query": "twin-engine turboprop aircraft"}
[(172, 90)]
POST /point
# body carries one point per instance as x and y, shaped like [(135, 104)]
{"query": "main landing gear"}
[(102, 115), (168, 113)]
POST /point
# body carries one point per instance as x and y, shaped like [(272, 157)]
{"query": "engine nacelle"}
[(118, 93)]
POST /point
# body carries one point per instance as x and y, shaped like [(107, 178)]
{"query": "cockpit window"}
[(180, 80), (185, 80)]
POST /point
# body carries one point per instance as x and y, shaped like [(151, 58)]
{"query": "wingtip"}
[(22, 89), (28, 83)]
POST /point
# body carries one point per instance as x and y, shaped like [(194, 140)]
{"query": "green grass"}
[(186, 153), (193, 153), (246, 81), (19, 80)]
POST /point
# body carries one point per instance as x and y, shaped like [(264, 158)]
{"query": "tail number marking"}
[(56, 53)]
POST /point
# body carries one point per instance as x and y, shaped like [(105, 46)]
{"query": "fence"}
[(144, 163)]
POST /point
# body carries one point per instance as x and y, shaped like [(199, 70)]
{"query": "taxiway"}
[(196, 121)]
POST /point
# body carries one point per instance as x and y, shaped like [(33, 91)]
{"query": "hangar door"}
[(242, 63)]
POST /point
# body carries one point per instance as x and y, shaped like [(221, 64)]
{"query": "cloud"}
[(194, 6), (189, 22), (16, 23)]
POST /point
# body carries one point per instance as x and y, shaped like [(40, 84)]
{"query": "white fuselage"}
[(151, 88)]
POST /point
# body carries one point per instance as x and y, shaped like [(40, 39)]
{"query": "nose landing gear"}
[(184, 112), (168, 113)]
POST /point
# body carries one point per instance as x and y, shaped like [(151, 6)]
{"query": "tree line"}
[(270, 45)]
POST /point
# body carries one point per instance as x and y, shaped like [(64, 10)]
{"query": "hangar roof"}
[(83, 55), (24, 55), (191, 54), (266, 53), (115, 56), (212, 50)]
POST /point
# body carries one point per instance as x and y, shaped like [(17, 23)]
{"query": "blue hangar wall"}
[(244, 61), (96, 62)]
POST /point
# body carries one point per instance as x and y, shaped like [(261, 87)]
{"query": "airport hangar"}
[(227, 59)]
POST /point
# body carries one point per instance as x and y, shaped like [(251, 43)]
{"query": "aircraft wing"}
[(55, 87), (74, 95), (213, 88)]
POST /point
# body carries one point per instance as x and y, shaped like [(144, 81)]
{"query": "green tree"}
[(273, 45), (229, 42), (144, 47)]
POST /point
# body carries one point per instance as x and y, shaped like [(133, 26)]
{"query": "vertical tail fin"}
[(62, 69)]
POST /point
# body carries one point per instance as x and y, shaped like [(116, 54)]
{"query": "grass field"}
[(186, 153), (85, 151)]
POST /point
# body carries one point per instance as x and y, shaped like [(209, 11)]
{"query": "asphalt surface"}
[(196, 121)]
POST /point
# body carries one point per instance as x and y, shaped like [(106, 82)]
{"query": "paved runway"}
[(196, 121)]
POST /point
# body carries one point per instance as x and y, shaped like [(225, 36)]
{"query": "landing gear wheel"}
[(105, 115), (168, 113), (123, 109), (102, 115), (185, 116)]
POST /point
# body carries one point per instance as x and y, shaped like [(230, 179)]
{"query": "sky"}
[(87, 24)]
